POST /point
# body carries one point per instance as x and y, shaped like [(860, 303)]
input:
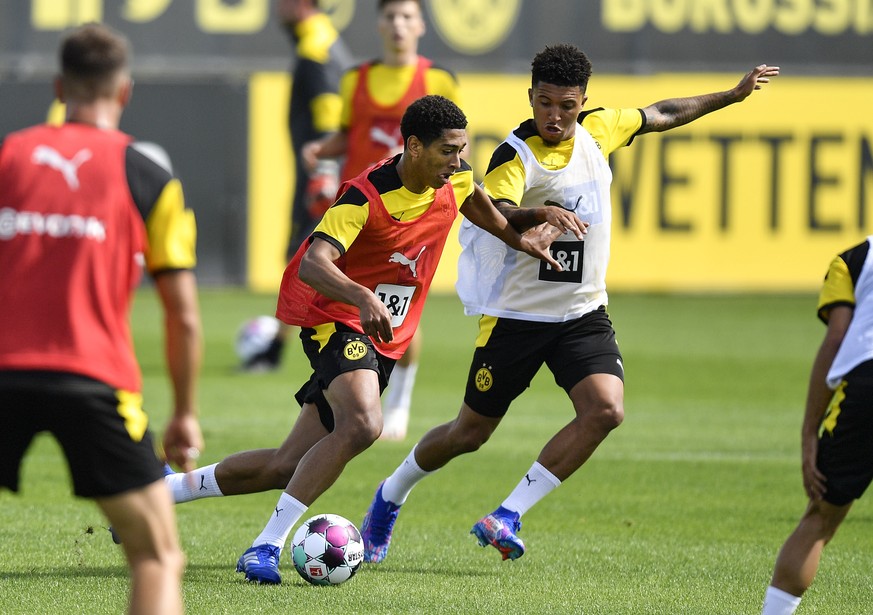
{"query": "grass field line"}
[(701, 456)]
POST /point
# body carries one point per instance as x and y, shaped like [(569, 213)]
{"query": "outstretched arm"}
[(673, 112)]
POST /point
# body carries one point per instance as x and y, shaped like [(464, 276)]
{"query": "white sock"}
[(196, 484), (536, 484), (778, 602), (397, 486), (287, 512), (399, 393)]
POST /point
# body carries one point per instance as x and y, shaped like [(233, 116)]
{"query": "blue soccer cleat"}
[(115, 537), (377, 527), (498, 530), (261, 564)]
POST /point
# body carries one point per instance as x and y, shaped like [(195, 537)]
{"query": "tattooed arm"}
[(673, 112)]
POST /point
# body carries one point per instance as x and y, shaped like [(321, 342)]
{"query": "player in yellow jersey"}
[(375, 95)]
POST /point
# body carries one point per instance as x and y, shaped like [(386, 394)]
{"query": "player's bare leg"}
[(799, 557), (599, 403), (465, 434), (251, 471), (146, 524), (354, 397), (398, 396), (271, 468)]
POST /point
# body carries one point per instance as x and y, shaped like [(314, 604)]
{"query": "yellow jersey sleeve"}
[(342, 223), (612, 128), (171, 230), (506, 178), (838, 288)]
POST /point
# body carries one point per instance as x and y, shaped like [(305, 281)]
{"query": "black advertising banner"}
[(629, 36)]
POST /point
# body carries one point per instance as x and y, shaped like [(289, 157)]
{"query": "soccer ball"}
[(327, 550), (255, 336)]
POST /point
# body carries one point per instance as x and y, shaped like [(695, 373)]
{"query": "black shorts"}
[(845, 450), (346, 350), (510, 352), (103, 432)]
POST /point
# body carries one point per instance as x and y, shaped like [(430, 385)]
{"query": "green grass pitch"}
[(681, 510)]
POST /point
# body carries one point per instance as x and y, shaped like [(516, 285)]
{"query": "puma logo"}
[(529, 479), (391, 141), (50, 157), (399, 257), (278, 510), (202, 482)]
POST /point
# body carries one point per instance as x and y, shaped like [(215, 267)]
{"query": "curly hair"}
[(429, 116), (562, 65)]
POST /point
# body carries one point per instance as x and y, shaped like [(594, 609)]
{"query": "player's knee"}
[(823, 521), (174, 562), (610, 415), (160, 556), (363, 431)]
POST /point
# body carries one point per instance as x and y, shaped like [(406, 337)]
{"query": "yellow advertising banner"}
[(758, 196)]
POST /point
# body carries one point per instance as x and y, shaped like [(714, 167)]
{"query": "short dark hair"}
[(382, 3), (429, 116), (563, 65), (91, 57)]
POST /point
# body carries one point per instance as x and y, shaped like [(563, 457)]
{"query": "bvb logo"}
[(474, 26), (484, 379), (355, 350)]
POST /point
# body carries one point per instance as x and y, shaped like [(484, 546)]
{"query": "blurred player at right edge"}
[(837, 433)]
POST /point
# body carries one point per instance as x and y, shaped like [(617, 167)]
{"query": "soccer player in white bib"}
[(533, 314), (837, 428)]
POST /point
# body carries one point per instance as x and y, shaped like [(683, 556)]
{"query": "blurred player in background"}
[(532, 314), (357, 289), (313, 112), (837, 433), (375, 95), (83, 210)]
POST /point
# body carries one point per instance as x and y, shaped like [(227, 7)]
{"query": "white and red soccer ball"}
[(254, 337), (327, 550)]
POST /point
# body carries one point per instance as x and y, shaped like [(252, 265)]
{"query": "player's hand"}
[(309, 154), (183, 441), (536, 241), (814, 482), (375, 319), (565, 221), (322, 188), (755, 80)]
